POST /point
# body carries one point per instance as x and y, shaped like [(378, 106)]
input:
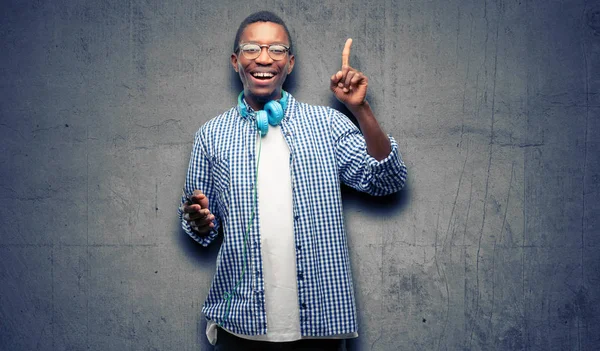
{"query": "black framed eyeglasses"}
[(252, 51)]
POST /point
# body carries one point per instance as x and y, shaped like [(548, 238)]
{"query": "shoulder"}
[(221, 120), (216, 132), (218, 123), (310, 111), (319, 115)]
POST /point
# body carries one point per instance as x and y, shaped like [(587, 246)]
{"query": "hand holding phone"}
[(196, 212)]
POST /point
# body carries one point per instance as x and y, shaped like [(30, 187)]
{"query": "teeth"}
[(262, 74)]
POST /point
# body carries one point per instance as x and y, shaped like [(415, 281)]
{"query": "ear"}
[(234, 62), (291, 62)]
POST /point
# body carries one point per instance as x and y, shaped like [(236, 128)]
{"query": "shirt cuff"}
[(391, 163), (203, 240), (389, 174)]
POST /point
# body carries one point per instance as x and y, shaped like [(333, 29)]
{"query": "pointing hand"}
[(349, 85)]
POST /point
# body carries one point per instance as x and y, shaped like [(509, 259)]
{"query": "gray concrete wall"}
[(494, 243)]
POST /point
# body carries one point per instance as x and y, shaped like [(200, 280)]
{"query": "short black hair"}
[(261, 16)]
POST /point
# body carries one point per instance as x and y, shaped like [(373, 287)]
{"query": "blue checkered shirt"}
[(326, 148)]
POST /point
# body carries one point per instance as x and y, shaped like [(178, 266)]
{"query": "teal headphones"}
[(272, 114)]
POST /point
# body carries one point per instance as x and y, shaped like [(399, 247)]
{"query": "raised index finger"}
[(346, 53)]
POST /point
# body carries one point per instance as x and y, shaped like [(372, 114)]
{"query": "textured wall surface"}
[(493, 244)]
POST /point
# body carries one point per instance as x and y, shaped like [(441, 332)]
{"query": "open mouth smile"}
[(263, 76)]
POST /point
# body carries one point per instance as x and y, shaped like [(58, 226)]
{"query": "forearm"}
[(378, 143)]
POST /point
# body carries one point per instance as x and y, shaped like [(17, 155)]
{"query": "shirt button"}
[(300, 276), (296, 217), (303, 306), (298, 247)]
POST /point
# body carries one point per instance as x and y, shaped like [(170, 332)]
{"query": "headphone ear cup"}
[(262, 122), (275, 112)]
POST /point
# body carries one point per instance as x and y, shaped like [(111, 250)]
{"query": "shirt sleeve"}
[(357, 168), (199, 178)]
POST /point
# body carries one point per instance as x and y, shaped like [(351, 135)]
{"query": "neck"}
[(258, 103)]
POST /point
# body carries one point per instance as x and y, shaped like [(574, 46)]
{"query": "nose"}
[(264, 58)]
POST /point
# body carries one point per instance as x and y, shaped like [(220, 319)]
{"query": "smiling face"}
[(262, 77)]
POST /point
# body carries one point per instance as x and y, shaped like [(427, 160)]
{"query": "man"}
[(283, 276)]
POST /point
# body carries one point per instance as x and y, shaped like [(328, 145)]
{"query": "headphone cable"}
[(228, 295)]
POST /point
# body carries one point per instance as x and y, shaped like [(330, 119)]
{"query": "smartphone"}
[(188, 198)]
